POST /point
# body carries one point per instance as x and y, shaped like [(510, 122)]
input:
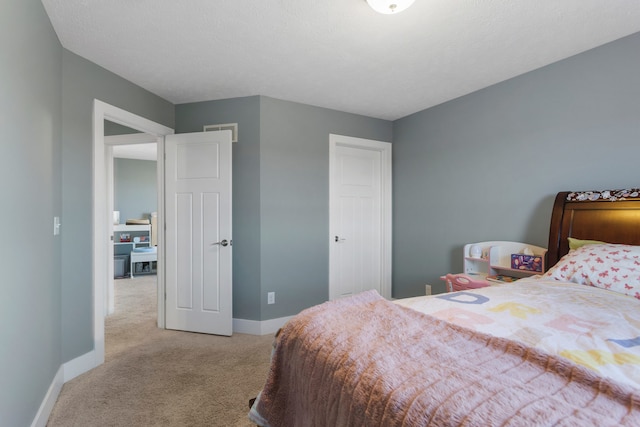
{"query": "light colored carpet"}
[(155, 377)]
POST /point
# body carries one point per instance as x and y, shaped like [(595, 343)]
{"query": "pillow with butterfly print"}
[(608, 266)]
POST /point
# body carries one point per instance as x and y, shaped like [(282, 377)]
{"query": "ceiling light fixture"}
[(389, 7)]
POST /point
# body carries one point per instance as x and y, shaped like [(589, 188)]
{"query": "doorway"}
[(360, 216), (102, 212), (132, 180)]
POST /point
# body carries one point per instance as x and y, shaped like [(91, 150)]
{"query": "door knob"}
[(224, 242), (339, 239)]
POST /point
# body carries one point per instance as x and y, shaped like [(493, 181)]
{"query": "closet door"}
[(360, 216)]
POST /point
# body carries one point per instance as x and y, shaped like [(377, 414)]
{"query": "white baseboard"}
[(66, 372), (49, 400), (258, 327), (79, 365)]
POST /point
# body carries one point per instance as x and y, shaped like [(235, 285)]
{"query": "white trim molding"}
[(66, 372), (102, 223), (258, 327), (79, 365), (50, 399)]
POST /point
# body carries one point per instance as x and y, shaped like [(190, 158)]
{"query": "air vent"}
[(233, 127)]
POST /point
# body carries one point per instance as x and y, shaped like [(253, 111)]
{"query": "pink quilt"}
[(363, 361)]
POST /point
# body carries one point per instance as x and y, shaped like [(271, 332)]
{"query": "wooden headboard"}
[(611, 216)]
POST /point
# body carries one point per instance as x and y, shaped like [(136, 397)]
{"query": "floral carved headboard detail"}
[(606, 195)]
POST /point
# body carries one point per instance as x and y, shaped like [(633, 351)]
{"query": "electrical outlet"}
[(271, 297), (427, 289)]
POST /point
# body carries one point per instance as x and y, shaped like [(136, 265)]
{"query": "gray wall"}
[(294, 199), (82, 82), (46, 154), (30, 121), (111, 128), (135, 188), (281, 193), (487, 166)]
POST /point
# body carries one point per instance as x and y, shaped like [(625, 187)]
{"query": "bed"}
[(561, 348)]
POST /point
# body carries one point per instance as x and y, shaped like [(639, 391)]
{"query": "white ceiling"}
[(337, 54)]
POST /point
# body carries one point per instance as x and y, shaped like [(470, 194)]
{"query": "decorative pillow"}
[(608, 266), (578, 243)]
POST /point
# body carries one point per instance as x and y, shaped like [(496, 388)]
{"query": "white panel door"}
[(360, 255), (198, 232)]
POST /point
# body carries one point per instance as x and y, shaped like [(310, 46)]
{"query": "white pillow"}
[(608, 266)]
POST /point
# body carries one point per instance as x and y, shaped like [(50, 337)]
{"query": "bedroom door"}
[(360, 216), (198, 232)]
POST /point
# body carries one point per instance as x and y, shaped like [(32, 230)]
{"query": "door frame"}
[(384, 148), (102, 216)]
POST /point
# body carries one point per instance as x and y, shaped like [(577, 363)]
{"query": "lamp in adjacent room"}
[(389, 7)]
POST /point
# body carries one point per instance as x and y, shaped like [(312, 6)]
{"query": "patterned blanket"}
[(593, 327), (364, 361)]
